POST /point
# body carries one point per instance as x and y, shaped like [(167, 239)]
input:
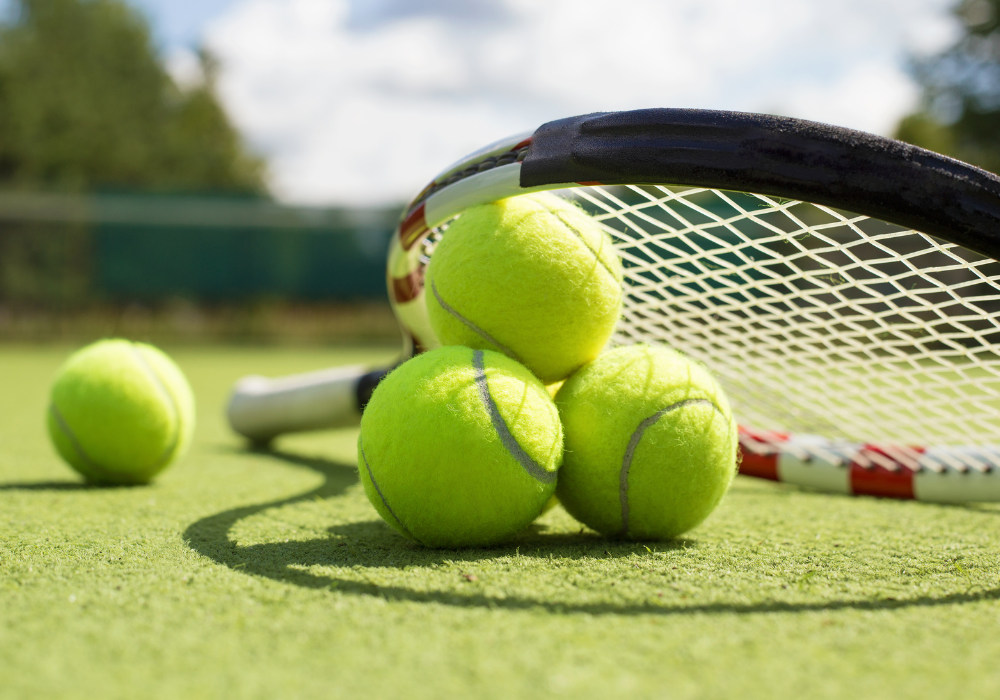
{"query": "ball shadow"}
[(371, 544)]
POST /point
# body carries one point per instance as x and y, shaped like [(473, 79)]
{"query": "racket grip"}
[(261, 409)]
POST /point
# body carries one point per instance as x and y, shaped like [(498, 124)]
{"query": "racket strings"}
[(817, 321)]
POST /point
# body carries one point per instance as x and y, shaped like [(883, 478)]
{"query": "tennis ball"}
[(459, 448), (120, 412), (533, 277), (550, 504), (650, 443)]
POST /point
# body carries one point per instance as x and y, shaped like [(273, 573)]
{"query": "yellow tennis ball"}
[(550, 504), (650, 443), (533, 277), (459, 448), (120, 412)]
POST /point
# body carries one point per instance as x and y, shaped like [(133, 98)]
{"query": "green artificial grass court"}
[(268, 575)]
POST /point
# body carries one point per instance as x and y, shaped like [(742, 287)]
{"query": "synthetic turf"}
[(256, 575)]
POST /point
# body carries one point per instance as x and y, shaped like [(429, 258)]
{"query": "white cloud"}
[(364, 102), (184, 67), (871, 96)]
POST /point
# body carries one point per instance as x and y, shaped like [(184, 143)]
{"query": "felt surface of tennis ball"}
[(550, 504), (459, 448), (533, 277), (120, 412), (650, 443)]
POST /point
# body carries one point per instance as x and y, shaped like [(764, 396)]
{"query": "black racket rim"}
[(783, 157)]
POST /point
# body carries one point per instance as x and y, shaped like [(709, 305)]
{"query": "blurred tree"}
[(85, 103), (960, 115)]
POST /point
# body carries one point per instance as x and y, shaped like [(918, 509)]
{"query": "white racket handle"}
[(260, 409)]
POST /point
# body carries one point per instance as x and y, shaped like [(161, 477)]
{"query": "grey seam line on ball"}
[(71, 436), (583, 240), (472, 326), (634, 442), (162, 388), (500, 426), (381, 495)]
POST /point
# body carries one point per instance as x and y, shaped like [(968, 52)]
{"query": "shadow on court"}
[(370, 544), (64, 486)]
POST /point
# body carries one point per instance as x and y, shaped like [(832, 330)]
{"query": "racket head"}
[(843, 286)]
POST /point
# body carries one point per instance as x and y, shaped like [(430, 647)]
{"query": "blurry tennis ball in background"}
[(650, 443), (533, 277), (459, 448), (120, 412)]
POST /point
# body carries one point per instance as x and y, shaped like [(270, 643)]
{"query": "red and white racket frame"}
[(783, 157)]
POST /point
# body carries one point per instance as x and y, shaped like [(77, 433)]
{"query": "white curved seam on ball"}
[(381, 495), (633, 443), (509, 442), (583, 240), (472, 326), (174, 408), (71, 436)]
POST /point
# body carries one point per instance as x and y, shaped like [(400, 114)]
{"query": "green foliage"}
[(960, 115), (85, 103), (923, 130)]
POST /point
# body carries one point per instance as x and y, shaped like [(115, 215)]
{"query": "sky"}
[(361, 102)]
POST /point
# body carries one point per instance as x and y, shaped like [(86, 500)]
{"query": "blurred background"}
[(231, 170)]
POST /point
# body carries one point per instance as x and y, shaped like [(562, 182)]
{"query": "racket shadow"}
[(371, 545)]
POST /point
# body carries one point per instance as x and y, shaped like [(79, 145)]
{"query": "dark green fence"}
[(129, 247)]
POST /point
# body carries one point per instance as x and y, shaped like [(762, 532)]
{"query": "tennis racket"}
[(843, 287)]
